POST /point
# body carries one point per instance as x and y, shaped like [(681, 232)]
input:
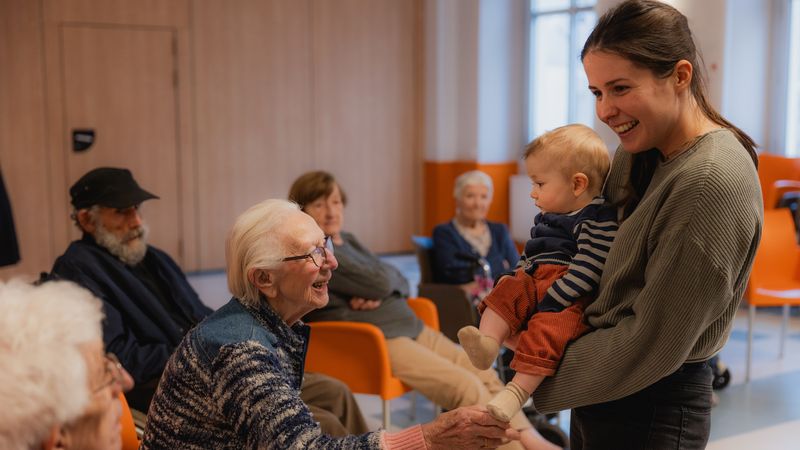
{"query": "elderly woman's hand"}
[(467, 427), (363, 304)]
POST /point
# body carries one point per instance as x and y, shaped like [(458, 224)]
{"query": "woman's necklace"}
[(684, 147)]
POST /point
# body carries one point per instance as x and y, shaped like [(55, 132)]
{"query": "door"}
[(121, 83)]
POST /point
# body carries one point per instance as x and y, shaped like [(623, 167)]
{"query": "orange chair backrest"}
[(426, 310), (129, 439), (365, 367), (776, 262), (772, 168)]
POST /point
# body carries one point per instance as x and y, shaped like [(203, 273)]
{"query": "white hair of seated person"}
[(472, 178), (257, 240), (44, 376)]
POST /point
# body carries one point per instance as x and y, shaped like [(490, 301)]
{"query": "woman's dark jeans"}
[(673, 413)]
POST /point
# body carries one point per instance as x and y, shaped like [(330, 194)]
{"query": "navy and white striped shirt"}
[(580, 240)]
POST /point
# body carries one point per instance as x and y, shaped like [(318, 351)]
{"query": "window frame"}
[(573, 61)]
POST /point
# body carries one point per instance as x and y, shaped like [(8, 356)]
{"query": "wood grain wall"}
[(23, 156), (268, 89)]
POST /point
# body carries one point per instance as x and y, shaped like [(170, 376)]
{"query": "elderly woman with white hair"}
[(234, 380), (58, 390), (469, 237)]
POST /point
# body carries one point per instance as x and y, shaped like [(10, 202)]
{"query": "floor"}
[(763, 414)]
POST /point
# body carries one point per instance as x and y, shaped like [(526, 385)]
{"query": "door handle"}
[(82, 140)]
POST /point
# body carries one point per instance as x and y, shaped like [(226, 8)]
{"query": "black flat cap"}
[(108, 186)]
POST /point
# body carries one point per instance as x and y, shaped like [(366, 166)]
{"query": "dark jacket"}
[(448, 243), (9, 250), (137, 328)]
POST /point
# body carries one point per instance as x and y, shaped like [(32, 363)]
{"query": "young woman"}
[(686, 185)]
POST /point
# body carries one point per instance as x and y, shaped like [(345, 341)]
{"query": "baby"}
[(558, 274)]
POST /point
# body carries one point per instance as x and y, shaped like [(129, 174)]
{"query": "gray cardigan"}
[(362, 274)]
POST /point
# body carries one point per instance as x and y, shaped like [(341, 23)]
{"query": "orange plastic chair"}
[(773, 279), (778, 175), (426, 310), (356, 354), (130, 441)]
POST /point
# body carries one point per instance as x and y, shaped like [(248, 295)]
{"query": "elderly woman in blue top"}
[(469, 236), (234, 381)]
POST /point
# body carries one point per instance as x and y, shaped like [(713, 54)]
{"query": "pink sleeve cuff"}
[(409, 439)]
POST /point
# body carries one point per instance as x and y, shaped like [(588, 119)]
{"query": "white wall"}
[(745, 93), (451, 73), (474, 79), (707, 22)]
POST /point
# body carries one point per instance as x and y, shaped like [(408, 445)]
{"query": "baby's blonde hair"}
[(574, 148)]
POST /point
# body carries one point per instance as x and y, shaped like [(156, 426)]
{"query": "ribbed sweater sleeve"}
[(409, 439), (673, 279)]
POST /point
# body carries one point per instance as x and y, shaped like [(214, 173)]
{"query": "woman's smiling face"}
[(640, 108)]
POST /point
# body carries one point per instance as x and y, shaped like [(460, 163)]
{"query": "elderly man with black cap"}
[(148, 303)]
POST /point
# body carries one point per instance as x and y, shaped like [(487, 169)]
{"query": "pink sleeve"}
[(409, 439)]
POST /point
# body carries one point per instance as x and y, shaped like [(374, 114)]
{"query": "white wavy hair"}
[(257, 240), (472, 178), (44, 376)]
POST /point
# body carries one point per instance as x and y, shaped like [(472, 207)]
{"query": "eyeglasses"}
[(319, 255), (112, 374)]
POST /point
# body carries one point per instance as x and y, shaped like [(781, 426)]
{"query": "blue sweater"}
[(448, 242)]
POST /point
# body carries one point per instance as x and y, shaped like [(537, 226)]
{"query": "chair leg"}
[(784, 326), (413, 414), (751, 315), (386, 414)]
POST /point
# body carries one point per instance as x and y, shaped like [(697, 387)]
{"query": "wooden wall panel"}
[(171, 13), (22, 140), (158, 16), (366, 84), (119, 80), (267, 89), (253, 109)]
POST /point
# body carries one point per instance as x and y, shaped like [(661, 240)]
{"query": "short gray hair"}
[(257, 240), (94, 216), (472, 178), (44, 380)]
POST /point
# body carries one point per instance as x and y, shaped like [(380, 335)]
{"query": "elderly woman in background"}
[(234, 380), (58, 390), (366, 289), (469, 237)]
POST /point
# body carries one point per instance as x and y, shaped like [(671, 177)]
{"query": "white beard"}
[(130, 248)]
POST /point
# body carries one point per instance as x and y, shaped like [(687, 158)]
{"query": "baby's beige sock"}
[(481, 349), (507, 403)]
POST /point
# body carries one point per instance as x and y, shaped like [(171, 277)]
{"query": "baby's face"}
[(551, 190)]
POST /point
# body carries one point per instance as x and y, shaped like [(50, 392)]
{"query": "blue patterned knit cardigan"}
[(234, 383)]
